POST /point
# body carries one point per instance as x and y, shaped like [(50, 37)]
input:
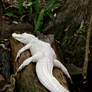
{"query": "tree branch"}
[(87, 49)]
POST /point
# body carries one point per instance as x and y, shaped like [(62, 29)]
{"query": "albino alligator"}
[(45, 58)]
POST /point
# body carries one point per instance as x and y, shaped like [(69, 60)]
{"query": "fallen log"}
[(26, 80)]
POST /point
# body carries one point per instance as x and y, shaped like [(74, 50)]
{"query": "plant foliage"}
[(34, 10)]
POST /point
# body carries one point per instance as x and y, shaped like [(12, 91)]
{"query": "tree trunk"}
[(0, 17), (70, 15)]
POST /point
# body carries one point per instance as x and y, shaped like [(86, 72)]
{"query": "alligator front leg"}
[(58, 64), (29, 60), (22, 50)]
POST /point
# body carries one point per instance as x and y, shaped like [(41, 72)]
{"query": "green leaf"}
[(52, 17), (22, 17), (34, 16), (13, 6), (52, 6), (20, 6), (81, 30), (26, 5), (39, 21), (30, 11), (37, 6), (11, 15)]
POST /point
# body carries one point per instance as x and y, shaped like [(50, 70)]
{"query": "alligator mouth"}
[(14, 35)]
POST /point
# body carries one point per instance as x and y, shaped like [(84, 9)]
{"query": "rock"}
[(26, 80)]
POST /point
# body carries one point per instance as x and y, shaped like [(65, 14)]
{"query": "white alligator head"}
[(24, 37)]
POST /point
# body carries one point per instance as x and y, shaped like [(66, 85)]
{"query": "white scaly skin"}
[(45, 58)]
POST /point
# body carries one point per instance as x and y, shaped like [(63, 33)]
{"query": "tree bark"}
[(0, 17), (71, 14)]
